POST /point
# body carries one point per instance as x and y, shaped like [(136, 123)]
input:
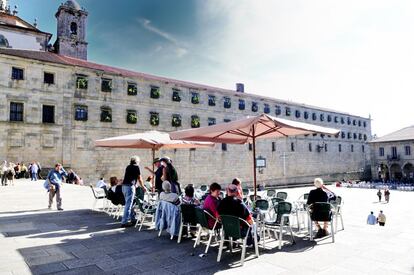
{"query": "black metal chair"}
[(321, 212)]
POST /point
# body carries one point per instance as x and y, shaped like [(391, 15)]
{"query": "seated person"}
[(211, 203), (237, 182), (232, 205), (167, 195), (72, 177), (115, 194), (101, 183), (318, 195), (148, 184), (189, 196)]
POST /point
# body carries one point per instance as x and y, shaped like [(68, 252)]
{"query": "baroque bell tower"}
[(71, 30)]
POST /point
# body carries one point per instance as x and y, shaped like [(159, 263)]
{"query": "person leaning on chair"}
[(318, 195), (131, 178)]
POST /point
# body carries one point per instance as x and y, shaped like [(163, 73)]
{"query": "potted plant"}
[(132, 117), (176, 96), (195, 98), (132, 89), (154, 119), (106, 116), (176, 121), (195, 122), (155, 92), (81, 82)]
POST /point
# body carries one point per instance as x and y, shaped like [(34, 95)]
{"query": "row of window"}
[(318, 148), (17, 108), (324, 147), (132, 89), (81, 114), (394, 152)]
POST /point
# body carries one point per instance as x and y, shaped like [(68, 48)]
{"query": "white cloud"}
[(353, 56), (179, 49)]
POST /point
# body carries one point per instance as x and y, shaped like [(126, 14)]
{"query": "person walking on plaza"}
[(33, 170), (39, 169), (379, 194), (131, 177), (387, 195), (55, 177), (381, 218), (371, 220), (3, 172)]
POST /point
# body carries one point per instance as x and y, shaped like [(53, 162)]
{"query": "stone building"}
[(391, 156), (55, 103)]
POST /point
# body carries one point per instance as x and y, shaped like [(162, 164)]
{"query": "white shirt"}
[(100, 184)]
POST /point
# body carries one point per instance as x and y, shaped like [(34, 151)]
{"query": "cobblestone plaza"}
[(35, 240)]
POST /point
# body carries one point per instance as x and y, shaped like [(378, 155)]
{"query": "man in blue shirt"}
[(55, 177), (372, 220)]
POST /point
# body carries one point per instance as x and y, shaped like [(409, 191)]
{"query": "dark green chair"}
[(320, 212), (231, 231), (202, 217), (245, 192), (262, 204), (282, 195), (283, 210), (188, 219), (204, 188), (270, 193)]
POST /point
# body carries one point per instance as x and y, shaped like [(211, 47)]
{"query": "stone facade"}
[(52, 126), (72, 142), (393, 159)]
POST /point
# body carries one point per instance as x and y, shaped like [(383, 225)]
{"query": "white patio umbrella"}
[(153, 140), (249, 129)]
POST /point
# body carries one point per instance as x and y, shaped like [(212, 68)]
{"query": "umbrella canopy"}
[(153, 140), (249, 129), (150, 140), (245, 130)]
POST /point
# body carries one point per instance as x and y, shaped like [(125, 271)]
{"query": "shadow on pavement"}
[(89, 242)]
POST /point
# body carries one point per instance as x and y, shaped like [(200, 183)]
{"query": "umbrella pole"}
[(254, 164), (153, 169)]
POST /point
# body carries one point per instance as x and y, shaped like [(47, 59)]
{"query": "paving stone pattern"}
[(78, 240)]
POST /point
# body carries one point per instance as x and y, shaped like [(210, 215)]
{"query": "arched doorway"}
[(408, 170), (383, 172), (396, 172)]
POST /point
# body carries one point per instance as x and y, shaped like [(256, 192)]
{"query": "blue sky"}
[(353, 56)]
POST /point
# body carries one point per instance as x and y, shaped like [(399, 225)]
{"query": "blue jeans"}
[(129, 194), (34, 176)]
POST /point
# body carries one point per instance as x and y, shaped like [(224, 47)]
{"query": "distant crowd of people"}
[(10, 171)]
